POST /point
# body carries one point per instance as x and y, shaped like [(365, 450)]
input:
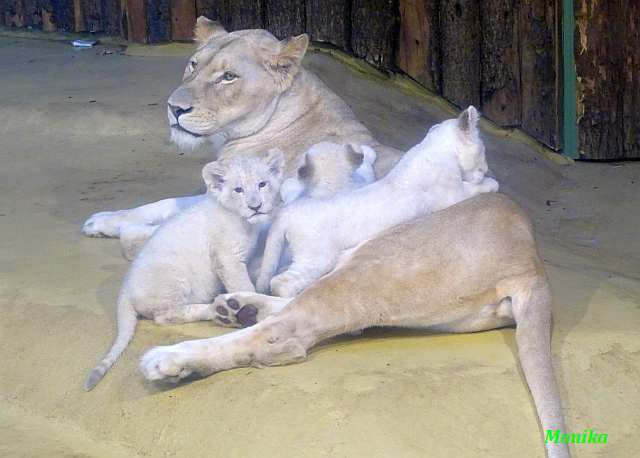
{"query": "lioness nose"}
[(177, 111), (255, 209)]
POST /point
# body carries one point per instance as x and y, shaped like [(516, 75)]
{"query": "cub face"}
[(247, 185)]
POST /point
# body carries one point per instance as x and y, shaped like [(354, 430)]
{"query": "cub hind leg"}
[(187, 313)]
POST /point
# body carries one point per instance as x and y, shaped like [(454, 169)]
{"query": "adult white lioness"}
[(468, 268), (247, 91)]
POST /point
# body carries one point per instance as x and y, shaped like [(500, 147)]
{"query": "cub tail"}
[(127, 320)]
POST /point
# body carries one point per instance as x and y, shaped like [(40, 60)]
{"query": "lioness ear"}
[(468, 120), (355, 158), (287, 62), (207, 29), (275, 161), (213, 175)]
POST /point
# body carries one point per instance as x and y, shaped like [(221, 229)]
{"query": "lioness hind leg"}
[(240, 310), (187, 313), (531, 302)]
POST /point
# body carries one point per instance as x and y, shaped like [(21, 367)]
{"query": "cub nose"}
[(177, 111), (256, 208)]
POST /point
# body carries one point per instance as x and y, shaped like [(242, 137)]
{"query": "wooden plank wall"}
[(608, 71), (500, 55)]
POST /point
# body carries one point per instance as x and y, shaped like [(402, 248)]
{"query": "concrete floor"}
[(81, 131)]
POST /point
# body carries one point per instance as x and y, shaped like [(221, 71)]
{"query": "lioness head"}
[(232, 83), (247, 185)]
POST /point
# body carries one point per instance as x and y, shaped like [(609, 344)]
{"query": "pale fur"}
[(447, 167), (274, 103), (453, 264), (200, 252)]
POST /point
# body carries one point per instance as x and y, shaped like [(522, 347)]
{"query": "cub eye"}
[(192, 65), (262, 184), (228, 76), (238, 190)]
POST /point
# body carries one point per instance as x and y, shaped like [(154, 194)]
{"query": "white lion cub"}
[(330, 168), (447, 167), (203, 249)]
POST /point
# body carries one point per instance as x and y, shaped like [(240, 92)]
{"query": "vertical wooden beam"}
[(418, 51), (216, 10), (631, 79), (245, 14), (374, 30), (112, 17), (183, 18), (538, 71), (63, 15), (460, 21), (136, 20), (285, 18), (158, 15), (500, 62), (92, 15), (14, 13), (568, 93), (32, 14), (330, 21)]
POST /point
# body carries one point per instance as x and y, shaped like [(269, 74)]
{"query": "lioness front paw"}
[(230, 312), (104, 224), (165, 363)]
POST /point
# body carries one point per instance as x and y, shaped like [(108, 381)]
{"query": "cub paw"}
[(104, 224), (231, 313), (165, 363)]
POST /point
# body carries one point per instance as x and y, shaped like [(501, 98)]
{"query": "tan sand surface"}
[(82, 131)]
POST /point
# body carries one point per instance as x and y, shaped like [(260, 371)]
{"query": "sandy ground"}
[(81, 132)]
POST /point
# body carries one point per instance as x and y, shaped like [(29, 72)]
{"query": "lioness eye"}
[(229, 76), (262, 184), (238, 190)]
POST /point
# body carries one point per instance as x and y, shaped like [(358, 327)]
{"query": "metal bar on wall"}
[(569, 116)]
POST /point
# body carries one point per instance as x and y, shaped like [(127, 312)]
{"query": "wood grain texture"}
[(631, 75), (461, 49), (418, 51), (183, 19), (136, 19), (32, 14), (212, 9), (330, 21), (539, 71), (92, 15), (285, 18), (500, 62), (374, 30), (63, 15), (245, 14), (158, 15), (112, 17), (14, 13)]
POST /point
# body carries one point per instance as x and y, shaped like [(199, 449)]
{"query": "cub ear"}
[(287, 62), (356, 158), (275, 161), (206, 29), (468, 120), (213, 175)]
